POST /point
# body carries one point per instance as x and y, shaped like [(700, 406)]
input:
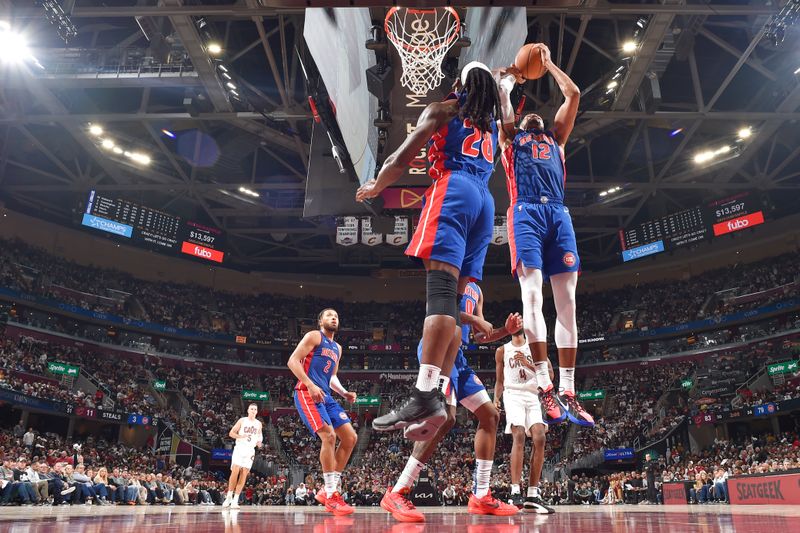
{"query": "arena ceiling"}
[(141, 70)]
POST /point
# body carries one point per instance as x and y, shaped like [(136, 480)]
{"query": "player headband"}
[(469, 66)]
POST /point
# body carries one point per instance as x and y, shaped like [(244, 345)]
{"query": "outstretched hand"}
[(513, 323), (367, 191)]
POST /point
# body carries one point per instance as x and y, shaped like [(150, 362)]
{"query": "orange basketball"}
[(529, 62)]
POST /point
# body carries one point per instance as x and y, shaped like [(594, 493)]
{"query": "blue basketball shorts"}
[(541, 236)]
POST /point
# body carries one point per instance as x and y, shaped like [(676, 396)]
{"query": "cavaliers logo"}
[(409, 199), (343, 415), (569, 259)]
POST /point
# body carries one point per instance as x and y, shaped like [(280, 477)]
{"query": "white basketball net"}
[(422, 38)]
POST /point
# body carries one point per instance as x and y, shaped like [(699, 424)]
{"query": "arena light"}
[(13, 46), (744, 133), (214, 49), (168, 134), (222, 68), (108, 144), (797, 71), (231, 86), (675, 132), (117, 150), (249, 192), (95, 130), (612, 85), (629, 47)]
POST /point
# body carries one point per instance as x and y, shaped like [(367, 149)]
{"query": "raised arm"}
[(513, 323), (507, 128), (565, 117), (310, 341), (499, 382), (432, 118)]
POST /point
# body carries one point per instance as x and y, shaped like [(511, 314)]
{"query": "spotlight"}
[(604, 193), (95, 130), (222, 68), (231, 85), (744, 133), (702, 157), (797, 71), (168, 134), (226, 76), (612, 85), (628, 47), (249, 192), (117, 150), (108, 144), (674, 133), (13, 46), (214, 49)]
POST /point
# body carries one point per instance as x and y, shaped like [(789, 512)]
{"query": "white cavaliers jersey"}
[(516, 376), (251, 428)]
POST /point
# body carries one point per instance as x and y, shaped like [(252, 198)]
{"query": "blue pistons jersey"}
[(321, 364), (469, 305), (460, 147), (535, 169)]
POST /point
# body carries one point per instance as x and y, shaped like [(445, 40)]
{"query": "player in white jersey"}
[(248, 434), (516, 385)]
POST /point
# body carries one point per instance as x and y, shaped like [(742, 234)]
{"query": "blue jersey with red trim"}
[(535, 167), (320, 364), (469, 305), (458, 146)]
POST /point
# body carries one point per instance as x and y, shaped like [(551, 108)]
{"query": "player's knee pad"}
[(442, 289)]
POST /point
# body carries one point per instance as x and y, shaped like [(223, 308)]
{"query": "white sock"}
[(330, 483), (566, 380), (236, 498), (542, 375), (338, 481), (230, 495), (428, 377), (515, 489), (409, 475), (483, 473), (533, 492)]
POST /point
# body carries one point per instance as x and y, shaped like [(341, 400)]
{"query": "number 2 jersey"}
[(320, 364), (535, 169)]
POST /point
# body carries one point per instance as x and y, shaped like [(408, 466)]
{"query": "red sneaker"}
[(575, 411), (321, 497), (552, 410), (490, 505), (400, 506), (336, 505)]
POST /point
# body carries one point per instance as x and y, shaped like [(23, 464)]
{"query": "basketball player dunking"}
[(248, 435), (516, 385), (453, 234), (315, 362), (462, 386), (542, 239)]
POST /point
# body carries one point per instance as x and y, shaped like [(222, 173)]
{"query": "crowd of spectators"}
[(281, 319)]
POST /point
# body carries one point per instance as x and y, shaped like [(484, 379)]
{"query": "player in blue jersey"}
[(542, 239), (315, 362), (454, 230), (462, 386)]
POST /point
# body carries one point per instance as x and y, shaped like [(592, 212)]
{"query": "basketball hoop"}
[(422, 38)]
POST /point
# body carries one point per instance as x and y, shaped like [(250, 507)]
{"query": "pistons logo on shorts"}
[(569, 259), (476, 380), (343, 415)]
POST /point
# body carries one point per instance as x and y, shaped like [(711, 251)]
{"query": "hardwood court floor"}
[(569, 519)]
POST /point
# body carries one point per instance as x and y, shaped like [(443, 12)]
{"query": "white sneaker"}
[(235, 504), (227, 502)]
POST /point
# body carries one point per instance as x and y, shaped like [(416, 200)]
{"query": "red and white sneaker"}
[(552, 410), (490, 505), (400, 506), (321, 497), (575, 411), (336, 505)]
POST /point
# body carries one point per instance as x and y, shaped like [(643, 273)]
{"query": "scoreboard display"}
[(716, 218), (152, 228)]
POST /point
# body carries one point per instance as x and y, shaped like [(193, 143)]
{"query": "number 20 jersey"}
[(460, 147)]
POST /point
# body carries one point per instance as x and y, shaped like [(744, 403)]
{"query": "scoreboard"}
[(152, 228), (701, 222)]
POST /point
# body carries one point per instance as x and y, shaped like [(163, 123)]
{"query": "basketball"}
[(529, 62)]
